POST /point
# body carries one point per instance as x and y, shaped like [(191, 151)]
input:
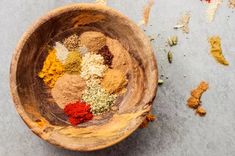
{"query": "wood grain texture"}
[(33, 100)]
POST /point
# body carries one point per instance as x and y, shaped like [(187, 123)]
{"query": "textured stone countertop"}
[(177, 131)]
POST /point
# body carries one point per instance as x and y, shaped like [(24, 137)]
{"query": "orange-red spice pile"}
[(78, 112)]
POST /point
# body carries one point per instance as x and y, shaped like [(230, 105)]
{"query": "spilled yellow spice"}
[(216, 50), (52, 69)]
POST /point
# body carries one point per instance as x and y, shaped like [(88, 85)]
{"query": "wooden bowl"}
[(33, 99)]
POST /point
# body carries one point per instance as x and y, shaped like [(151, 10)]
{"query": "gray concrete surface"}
[(177, 132)]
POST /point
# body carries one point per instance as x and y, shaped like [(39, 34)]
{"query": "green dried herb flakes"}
[(100, 100), (170, 56)]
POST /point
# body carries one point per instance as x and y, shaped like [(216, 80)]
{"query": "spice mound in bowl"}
[(83, 77)]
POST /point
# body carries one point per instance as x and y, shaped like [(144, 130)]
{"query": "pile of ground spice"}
[(120, 55), (52, 69), (68, 88), (99, 99), (194, 100), (61, 52), (231, 4), (108, 57), (72, 63), (92, 66), (216, 50), (78, 112), (212, 8), (114, 81), (93, 40), (72, 42), (149, 118), (184, 22)]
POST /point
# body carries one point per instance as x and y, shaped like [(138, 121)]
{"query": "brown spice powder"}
[(231, 3)]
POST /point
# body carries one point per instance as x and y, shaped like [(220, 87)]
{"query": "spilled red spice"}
[(207, 1), (78, 112)]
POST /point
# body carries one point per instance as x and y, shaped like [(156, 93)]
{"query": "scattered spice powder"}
[(201, 111), (92, 40), (61, 51), (194, 101), (183, 23), (73, 63), (52, 69), (108, 57), (72, 42), (92, 66), (212, 8), (100, 100), (216, 50), (149, 118), (146, 12), (231, 4), (78, 112), (114, 81), (68, 88)]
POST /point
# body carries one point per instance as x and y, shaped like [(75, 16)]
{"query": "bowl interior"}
[(34, 101)]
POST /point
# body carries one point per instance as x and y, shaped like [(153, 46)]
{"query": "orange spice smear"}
[(149, 118), (194, 101)]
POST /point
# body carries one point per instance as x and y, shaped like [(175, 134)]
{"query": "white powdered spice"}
[(212, 8), (100, 100), (83, 50), (61, 52), (92, 66)]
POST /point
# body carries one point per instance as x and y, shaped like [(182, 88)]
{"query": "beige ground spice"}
[(194, 101), (68, 88), (92, 40)]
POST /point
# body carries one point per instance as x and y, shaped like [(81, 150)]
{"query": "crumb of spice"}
[(72, 42), (231, 3), (78, 112), (201, 111), (52, 69), (216, 50), (108, 57), (194, 100), (149, 118), (183, 23), (160, 81)]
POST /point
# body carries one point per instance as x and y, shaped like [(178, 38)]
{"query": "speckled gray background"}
[(177, 132)]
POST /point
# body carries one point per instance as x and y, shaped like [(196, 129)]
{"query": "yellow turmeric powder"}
[(216, 50), (52, 69)]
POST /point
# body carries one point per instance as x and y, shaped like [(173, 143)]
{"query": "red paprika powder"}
[(78, 112)]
